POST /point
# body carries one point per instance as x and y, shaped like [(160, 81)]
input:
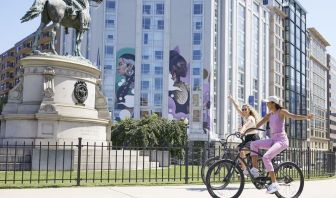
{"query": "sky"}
[(321, 14)]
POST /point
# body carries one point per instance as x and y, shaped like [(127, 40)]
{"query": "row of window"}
[(147, 25), (147, 9), (144, 99)]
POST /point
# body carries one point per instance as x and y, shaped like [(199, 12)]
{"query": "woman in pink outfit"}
[(278, 141)]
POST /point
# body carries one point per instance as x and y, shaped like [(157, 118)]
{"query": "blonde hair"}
[(253, 113)]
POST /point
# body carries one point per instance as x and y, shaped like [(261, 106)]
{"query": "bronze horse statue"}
[(68, 13)]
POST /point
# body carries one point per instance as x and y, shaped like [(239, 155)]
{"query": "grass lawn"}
[(174, 175)]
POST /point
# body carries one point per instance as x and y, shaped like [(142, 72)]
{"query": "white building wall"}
[(234, 42), (208, 73)]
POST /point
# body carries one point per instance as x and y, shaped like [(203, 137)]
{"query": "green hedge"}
[(152, 131)]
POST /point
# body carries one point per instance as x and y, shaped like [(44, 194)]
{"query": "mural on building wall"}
[(206, 101), (124, 84), (179, 92)]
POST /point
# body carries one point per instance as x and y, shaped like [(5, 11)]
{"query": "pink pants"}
[(275, 145)]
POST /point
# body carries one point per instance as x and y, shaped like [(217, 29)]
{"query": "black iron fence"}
[(104, 164)]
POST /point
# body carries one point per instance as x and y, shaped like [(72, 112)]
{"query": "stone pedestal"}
[(58, 99)]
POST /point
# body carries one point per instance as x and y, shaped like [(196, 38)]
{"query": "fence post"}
[(79, 160), (309, 161), (186, 163)]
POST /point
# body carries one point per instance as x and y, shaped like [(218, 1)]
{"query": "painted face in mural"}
[(124, 102), (125, 66)]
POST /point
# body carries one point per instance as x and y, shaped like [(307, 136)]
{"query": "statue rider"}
[(76, 9)]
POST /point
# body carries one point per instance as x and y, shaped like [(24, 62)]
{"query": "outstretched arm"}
[(287, 114), (263, 121), (235, 104)]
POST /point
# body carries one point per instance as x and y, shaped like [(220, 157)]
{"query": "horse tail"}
[(34, 10)]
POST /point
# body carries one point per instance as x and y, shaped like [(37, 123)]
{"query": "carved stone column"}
[(47, 105)]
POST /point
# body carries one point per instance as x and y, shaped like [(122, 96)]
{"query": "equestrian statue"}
[(68, 13)]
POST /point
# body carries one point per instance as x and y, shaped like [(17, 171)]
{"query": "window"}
[(196, 71), (109, 23), (145, 69), (196, 115), (158, 83), (197, 37), (159, 9), (157, 99), (255, 7), (158, 55), (197, 55), (146, 23), (160, 24), (198, 25), (109, 37), (108, 67), (198, 9), (144, 85), (196, 100), (145, 38), (158, 70), (144, 99), (108, 50), (146, 9), (110, 5), (197, 84)]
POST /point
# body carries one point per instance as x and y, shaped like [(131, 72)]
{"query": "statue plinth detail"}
[(57, 99)]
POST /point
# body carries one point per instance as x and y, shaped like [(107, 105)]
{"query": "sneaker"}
[(272, 188), (255, 172)]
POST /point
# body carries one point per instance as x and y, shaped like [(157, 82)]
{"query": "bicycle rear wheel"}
[(290, 179), (206, 165), (225, 179)]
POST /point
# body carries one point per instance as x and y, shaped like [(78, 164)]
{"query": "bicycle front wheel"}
[(290, 179), (225, 179), (206, 165)]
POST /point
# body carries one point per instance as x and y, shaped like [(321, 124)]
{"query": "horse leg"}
[(79, 37), (36, 38), (53, 34)]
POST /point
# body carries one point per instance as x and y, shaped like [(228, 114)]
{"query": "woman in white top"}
[(251, 118)]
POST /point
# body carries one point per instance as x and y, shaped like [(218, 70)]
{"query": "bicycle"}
[(225, 172), (226, 155)]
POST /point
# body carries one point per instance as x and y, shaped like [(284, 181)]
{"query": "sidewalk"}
[(312, 189)]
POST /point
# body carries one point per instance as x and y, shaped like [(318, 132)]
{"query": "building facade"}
[(276, 50), (295, 60), (181, 60), (10, 59), (318, 138), (332, 100), (245, 70)]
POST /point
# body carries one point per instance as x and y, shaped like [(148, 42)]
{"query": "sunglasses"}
[(244, 109)]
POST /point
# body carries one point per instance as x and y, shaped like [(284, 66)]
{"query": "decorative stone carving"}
[(101, 102), (81, 91), (48, 92), (48, 108), (15, 95)]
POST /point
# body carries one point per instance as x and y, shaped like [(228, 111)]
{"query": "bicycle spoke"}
[(225, 179), (290, 179)]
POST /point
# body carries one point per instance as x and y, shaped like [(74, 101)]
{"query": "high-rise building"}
[(244, 52), (181, 59), (10, 59), (318, 138), (276, 38), (332, 100), (295, 60)]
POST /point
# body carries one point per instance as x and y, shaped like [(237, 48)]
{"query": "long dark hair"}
[(277, 106), (179, 69)]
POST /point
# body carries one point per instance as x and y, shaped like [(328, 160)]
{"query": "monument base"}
[(58, 99)]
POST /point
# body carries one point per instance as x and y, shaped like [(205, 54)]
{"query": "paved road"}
[(312, 189)]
